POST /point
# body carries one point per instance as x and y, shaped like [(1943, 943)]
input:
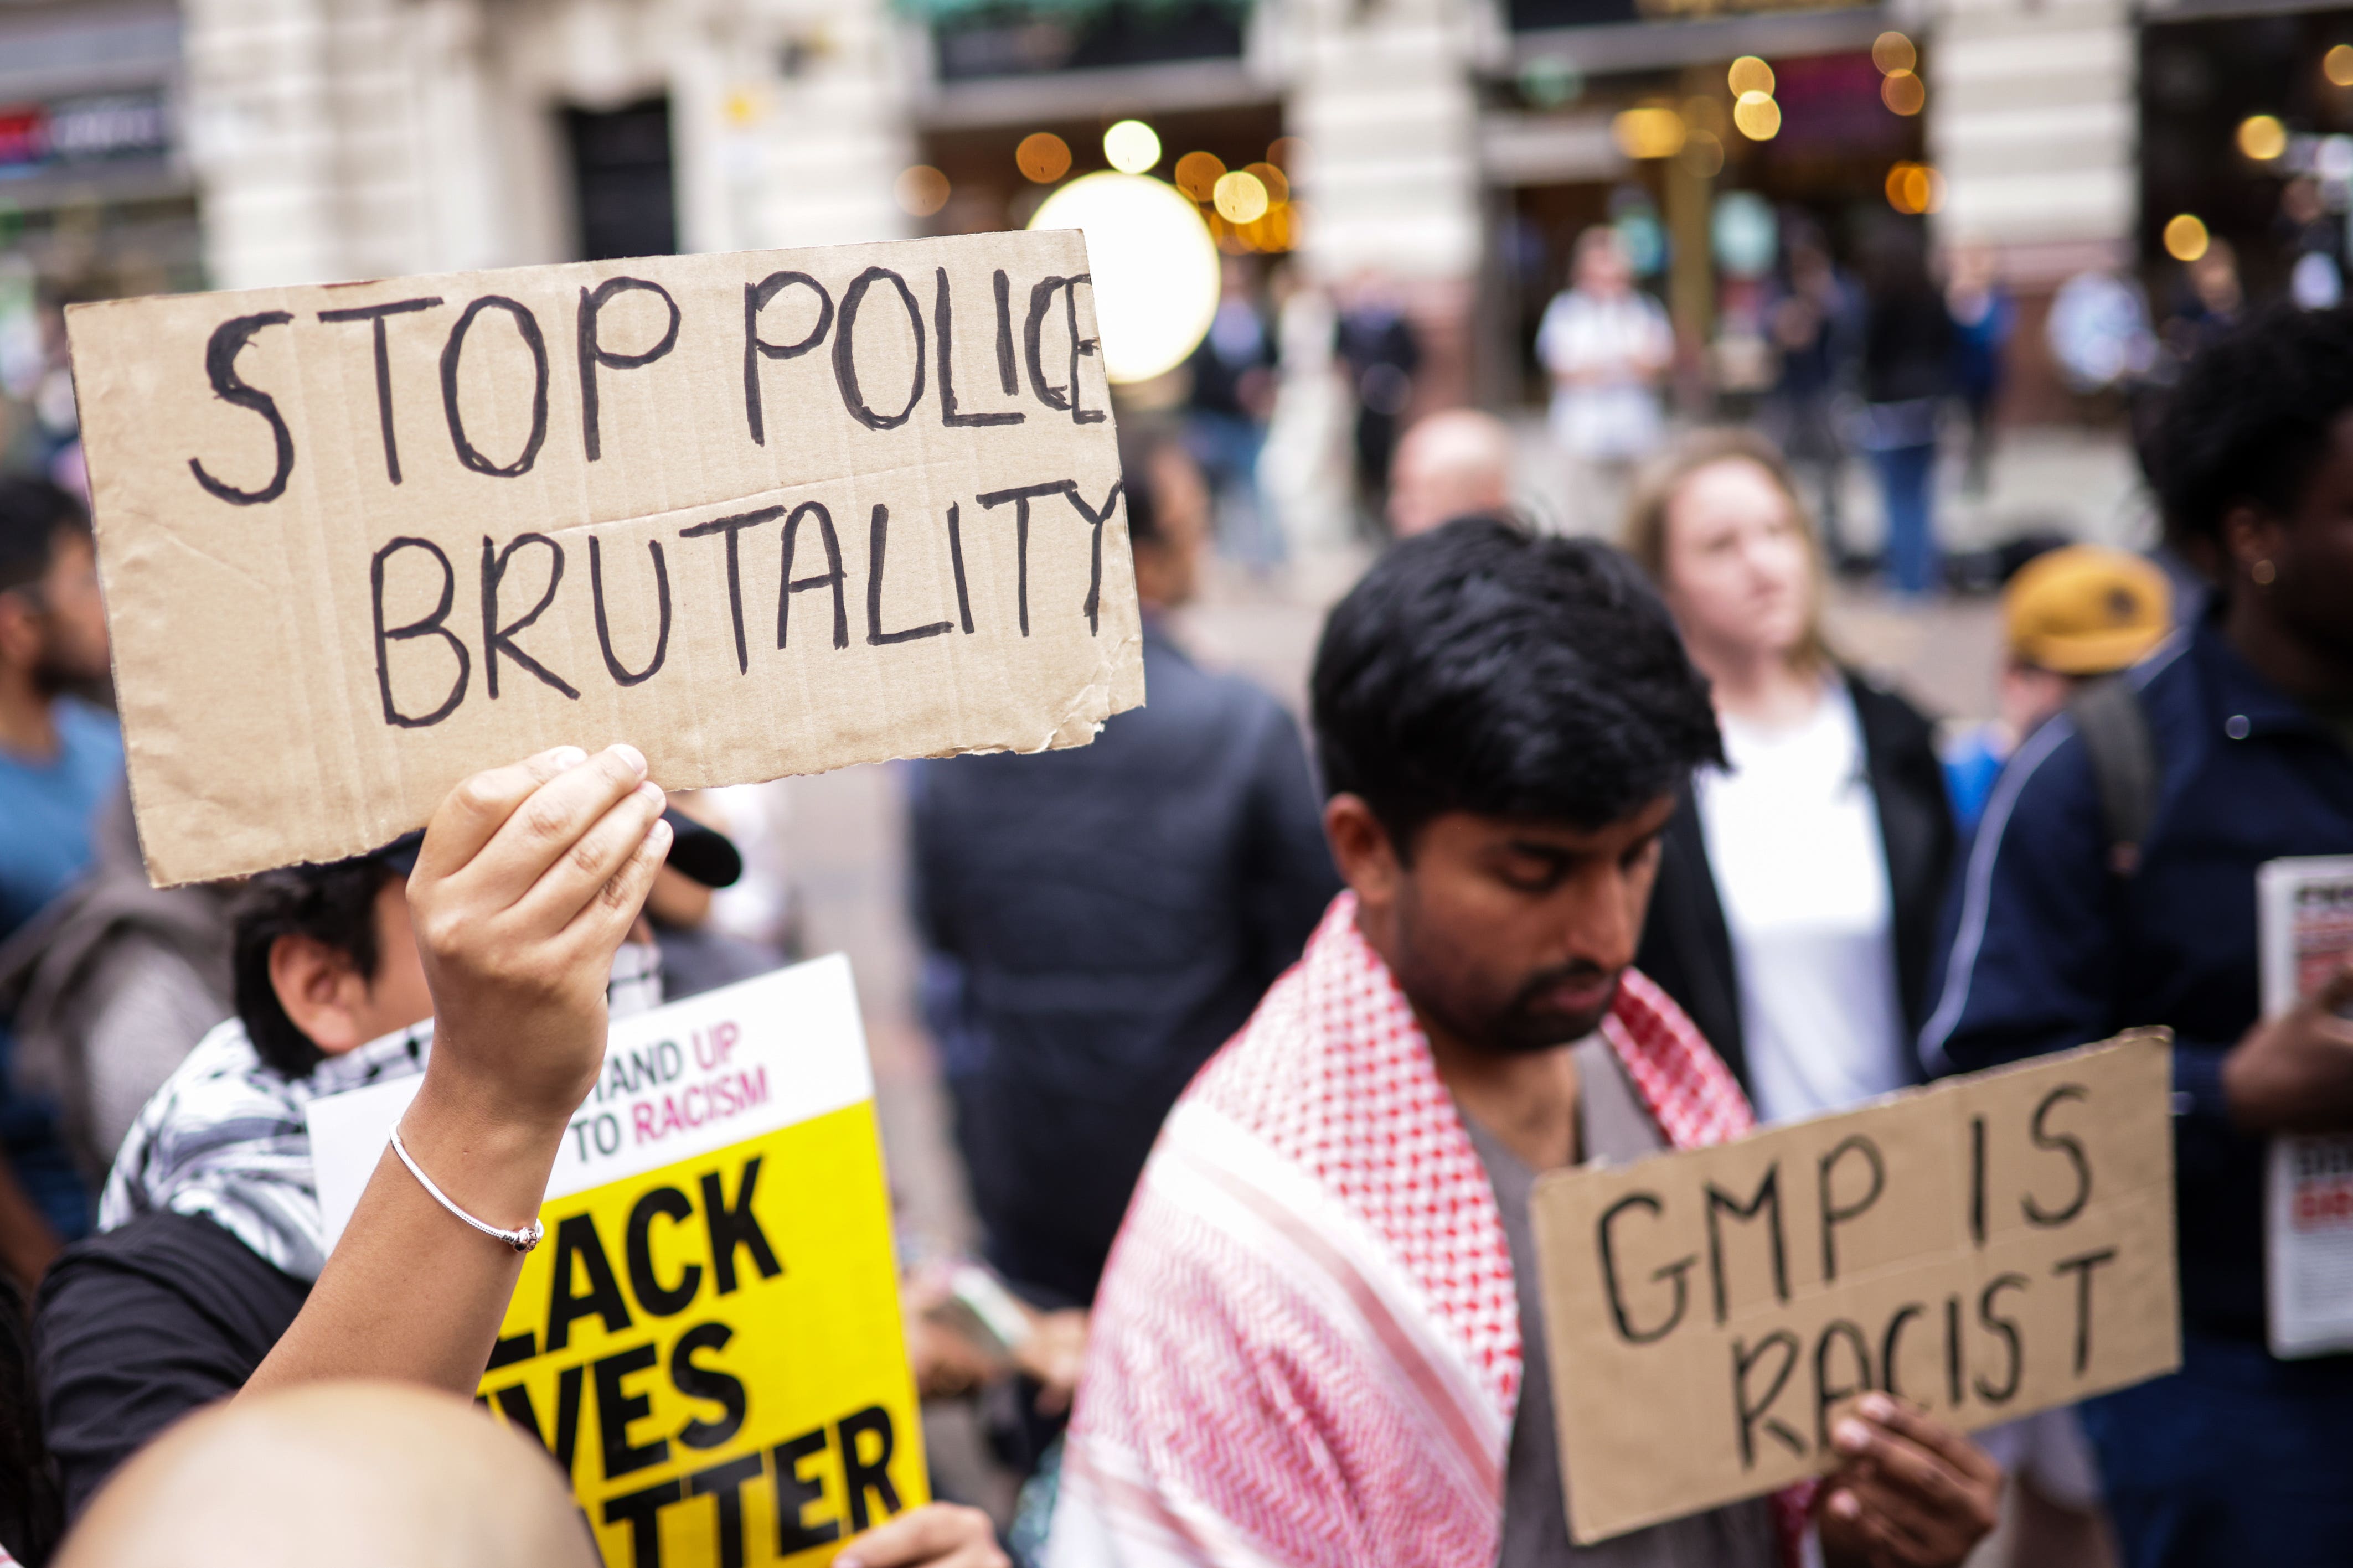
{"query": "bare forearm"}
[(412, 1293)]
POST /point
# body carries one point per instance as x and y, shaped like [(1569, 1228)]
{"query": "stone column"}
[(835, 130), (260, 96)]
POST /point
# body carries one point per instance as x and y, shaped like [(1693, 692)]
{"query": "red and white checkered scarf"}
[(1306, 1349)]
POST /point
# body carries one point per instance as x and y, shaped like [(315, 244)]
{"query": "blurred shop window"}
[(621, 180)]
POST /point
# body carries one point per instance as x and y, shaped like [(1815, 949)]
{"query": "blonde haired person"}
[(1800, 888)]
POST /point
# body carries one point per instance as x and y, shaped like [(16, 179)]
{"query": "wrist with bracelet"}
[(522, 1239)]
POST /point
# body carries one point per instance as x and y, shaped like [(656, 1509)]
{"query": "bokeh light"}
[(1904, 92), (921, 191), (1042, 157), (1198, 175), (1240, 197), (2185, 237), (1914, 188), (1893, 52), (2337, 65), (1131, 146), (1654, 130), (2261, 137), (1548, 82), (1285, 151), (1153, 264), (1749, 74), (1757, 117), (1278, 187)]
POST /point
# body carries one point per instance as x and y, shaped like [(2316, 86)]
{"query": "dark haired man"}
[(1317, 1342), (1100, 920), (482, 936), (2072, 921), (59, 759)]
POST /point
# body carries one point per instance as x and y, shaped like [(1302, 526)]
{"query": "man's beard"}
[(1519, 1025), (54, 677)]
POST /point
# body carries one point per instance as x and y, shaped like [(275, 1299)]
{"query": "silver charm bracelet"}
[(522, 1240)]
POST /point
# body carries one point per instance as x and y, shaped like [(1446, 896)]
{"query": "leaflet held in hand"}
[(2304, 917)]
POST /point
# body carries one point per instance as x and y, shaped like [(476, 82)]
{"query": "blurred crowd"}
[(1587, 848)]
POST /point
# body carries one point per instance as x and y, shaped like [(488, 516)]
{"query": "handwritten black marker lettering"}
[(1007, 377), (1087, 347), (730, 527), (429, 625), (1977, 1180), (1606, 1240), (1096, 517), (878, 540), (622, 675), (527, 326), (756, 348), (1835, 1215), (1033, 333), (593, 352), (500, 640), (955, 559), (1022, 497), (1767, 1195), (2068, 1145), (831, 577), (1749, 1413), (2000, 1392), (1953, 1351), (1890, 1345), (1837, 1331), (2082, 1267), (943, 326), (375, 315), (845, 355), (228, 341)]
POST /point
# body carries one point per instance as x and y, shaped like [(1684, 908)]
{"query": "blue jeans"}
[(1907, 477), (1227, 445), (2235, 1461)]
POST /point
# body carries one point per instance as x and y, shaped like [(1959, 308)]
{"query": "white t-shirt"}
[(1614, 415), (1793, 836)]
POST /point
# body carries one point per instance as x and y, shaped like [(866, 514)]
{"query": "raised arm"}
[(529, 877)]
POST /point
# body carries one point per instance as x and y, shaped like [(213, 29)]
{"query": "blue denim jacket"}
[(2045, 949)]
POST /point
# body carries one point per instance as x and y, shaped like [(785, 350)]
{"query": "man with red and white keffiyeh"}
[(1318, 1343)]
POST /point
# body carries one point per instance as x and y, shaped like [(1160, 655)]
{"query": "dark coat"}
[(1687, 948)]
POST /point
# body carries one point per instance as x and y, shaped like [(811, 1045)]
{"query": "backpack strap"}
[(2108, 715)]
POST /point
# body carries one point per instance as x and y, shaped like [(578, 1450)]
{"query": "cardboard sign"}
[(708, 1340), (1985, 1248), (758, 514)]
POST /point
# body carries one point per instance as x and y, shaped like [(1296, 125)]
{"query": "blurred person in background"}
[(1983, 318), (1377, 344), (2068, 617), (2111, 885), (1099, 920), (1304, 469), (1816, 328), (2312, 239), (111, 987), (2208, 302), (1451, 464), (1226, 414), (59, 757), (1503, 724), (1909, 353), (1607, 347), (1799, 883)]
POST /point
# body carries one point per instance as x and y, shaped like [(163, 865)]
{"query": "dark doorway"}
[(622, 185)]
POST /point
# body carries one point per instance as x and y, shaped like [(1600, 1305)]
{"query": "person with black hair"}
[(1318, 1341), (59, 758), (2078, 915), (485, 956), (1098, 920)]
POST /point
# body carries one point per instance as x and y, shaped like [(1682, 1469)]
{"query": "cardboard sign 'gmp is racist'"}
[(758, 514), (1989, 1247)]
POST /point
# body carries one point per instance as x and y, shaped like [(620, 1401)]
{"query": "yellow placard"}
[(713, 1351)]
